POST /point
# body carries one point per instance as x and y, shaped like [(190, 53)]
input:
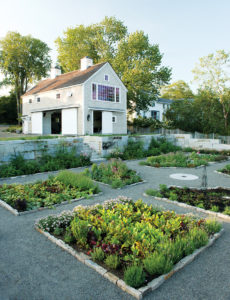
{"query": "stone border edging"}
[(40, 173), (227, 175), (17, 213), (121, 188), (137, 293), (198, 209), (198, 167)]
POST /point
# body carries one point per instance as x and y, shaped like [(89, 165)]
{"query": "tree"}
[(183, 115), (177, 91), (8, 109), (133, 57), (137, 62), (98, 41), (213, 72), (203, 114), (23, 59)]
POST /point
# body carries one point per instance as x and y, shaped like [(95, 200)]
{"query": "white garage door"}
[(107, 126), (37, 123), (69, 121)]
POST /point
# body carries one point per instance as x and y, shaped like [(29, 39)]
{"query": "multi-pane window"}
[(107, 77), (114, 119), (38, 99), (94, 91), (155, 114), (106, 93), (117, 95)]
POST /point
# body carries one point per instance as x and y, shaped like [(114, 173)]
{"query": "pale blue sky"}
[(185, 30)]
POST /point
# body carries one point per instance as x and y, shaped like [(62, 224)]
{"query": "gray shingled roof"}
[(64, 80)]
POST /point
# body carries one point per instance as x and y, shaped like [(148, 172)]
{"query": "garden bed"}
[(136, 241), (215, 201), (136, 150), (225, 170), (114, 173), (64, 188), (63, 158), (182, 160)]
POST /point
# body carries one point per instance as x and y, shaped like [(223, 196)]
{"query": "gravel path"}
[(31, 267)]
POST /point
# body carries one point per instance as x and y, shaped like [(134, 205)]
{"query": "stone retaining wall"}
[(32, 149), (102, 145)]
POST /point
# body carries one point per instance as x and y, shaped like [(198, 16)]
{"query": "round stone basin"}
[(183, 176)]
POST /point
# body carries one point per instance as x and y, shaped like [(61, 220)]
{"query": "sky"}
[(185, 30)]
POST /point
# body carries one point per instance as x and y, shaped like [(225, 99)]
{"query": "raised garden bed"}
[(182, 160), (136, 150), (225, 170), (134, 241), (115, 173), (216, 200), (63, 188), (63, 158)]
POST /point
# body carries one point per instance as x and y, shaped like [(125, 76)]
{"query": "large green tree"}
[(203, 114), (133, 57), (8, 109), (213, 72), (177, 91), (23, 59)]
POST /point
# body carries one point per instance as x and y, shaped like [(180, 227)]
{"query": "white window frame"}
[(108, 77), (114, 86)]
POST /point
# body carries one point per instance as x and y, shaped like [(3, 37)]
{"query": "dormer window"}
[(38, 99), (106, 77), (58, 96)]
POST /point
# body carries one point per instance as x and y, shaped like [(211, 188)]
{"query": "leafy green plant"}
[(113, 261), (80, 229), (153, 193), (215, 208), (181, 159), (47, 193), (227, 210), (98, 254), (157, 264), (63, 158), (116, 173), (122, 233), (134, 276), (58, 231), (212, 226)]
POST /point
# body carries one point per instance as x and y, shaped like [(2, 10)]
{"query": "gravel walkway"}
[(31, 267)]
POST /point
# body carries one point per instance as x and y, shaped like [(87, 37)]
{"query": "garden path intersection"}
[(31, 267)]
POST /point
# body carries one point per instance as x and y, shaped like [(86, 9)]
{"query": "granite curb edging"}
[(42, 173), (226, 175), (121, 188), (137, 293), (17, 213), (198, 209), (191, 168)]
